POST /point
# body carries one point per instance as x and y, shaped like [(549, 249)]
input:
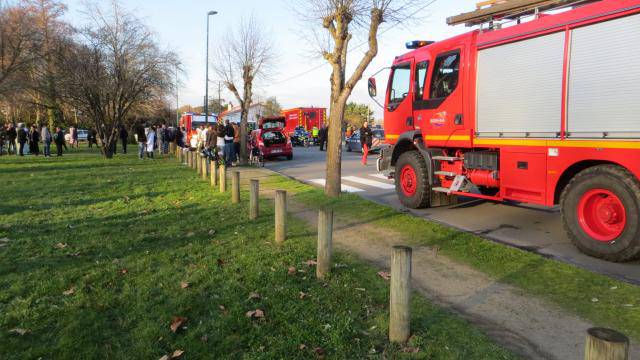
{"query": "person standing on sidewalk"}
[(322, 136), (45, 134), (366, 139), (164, 139), (58, 138)]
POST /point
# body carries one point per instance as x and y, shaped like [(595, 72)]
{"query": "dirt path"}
[(528, 326)]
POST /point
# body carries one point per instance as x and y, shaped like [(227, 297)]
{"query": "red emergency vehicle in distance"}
[(191, 121), (306, 117), (543, 112)]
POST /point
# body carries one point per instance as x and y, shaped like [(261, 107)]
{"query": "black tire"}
[(348, 148), (422, 196), (289, 157), (622, 184)]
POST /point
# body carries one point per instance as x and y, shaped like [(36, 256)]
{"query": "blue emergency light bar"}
[(417, 44)]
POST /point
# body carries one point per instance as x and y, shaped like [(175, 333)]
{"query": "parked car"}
[(83, 135), (353, 142), (271, 140)]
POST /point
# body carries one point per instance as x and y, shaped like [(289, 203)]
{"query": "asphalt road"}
[(532, 228)]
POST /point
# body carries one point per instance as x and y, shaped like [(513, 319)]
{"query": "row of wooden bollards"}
[(600, 343)]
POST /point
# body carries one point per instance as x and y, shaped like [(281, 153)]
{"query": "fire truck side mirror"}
[(373, 90)]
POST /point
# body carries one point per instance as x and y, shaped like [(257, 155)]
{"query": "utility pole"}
[(206, 92), (219, 95), (177, 100)]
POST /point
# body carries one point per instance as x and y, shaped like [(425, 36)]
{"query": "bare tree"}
[(341, 20), (115, 68), (243, 60), (16, 46)]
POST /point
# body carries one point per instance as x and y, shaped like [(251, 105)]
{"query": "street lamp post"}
[(206, 92)]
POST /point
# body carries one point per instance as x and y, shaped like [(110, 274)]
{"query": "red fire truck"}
[(191, 121), (544, 112), (305, 117)]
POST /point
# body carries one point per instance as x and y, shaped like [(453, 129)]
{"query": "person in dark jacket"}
[(34, 140), (229, 151), (322, 136), (124, 138), (141, 138), (12, 135), (366, 139), (58, 139), (22, 138)]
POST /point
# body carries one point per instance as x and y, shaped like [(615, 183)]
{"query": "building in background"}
[(256, 111)]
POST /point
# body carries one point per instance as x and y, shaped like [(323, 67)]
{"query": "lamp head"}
[(212, 12)]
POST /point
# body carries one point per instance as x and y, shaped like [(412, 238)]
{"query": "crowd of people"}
[(14, 140), (220, 140)]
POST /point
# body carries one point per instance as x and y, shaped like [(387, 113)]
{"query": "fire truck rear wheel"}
[(412, 180), (601, 213)]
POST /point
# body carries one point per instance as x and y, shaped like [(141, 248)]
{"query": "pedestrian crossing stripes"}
[(360, 181), (345, 188), (376, 184)]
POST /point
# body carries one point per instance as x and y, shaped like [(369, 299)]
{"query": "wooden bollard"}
[(399, 309), (213, 171), (235, 187), (281, 216), (223, 178), (189, 158), (198, 163), (193, 159), (606, 344), (254, 199), (180, 155), (204, 168), (325, 242)]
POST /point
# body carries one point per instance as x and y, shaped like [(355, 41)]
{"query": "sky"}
[(180, 26)]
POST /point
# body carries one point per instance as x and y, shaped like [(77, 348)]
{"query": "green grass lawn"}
[(597, 298), (99, 256)]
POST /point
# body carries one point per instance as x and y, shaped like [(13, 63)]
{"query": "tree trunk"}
[(244, 123), (334, 150)]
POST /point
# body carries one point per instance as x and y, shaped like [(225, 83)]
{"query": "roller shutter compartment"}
[(604, 79), (520, 87)]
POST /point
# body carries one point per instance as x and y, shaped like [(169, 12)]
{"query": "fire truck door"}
[(439, 112), (398, 113)]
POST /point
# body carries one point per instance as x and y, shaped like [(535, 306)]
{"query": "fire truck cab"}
[(543, 112)]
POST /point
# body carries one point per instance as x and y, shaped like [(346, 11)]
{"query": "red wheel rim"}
[(602, 215), (408, 180)]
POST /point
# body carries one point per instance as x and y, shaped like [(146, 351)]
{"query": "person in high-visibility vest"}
[(314, 134)]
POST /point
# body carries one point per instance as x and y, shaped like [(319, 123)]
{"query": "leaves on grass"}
[(302, 295), (69, 292), (385, 275), (191, 234), (4, 241), (124, 271), (176, 354), (19, 331), (411, 350), (255, 314), (74, 254), (292, 270), (184, 285), (212, 232), (60, 246), (223, 309), (311, 262), (176, 322), (254, 296), (126, 199), (220, 262), (302, 347), (320, 352)]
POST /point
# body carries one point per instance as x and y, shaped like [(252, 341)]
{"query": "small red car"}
[(270, 140)]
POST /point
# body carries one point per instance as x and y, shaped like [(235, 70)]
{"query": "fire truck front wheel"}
[(601, 213), (412, 180)]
